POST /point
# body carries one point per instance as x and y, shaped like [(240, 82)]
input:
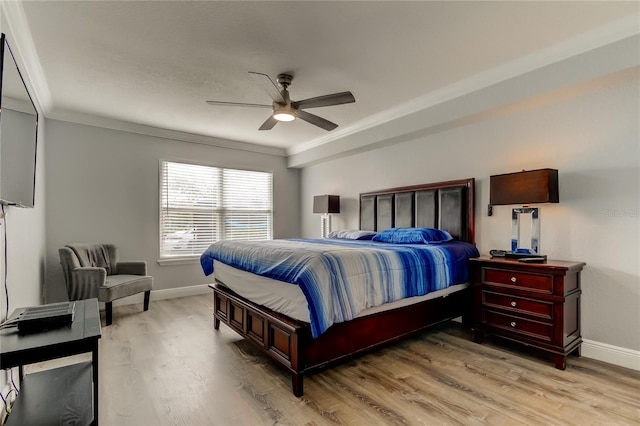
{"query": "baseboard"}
[(616, 355), (173, 293), (169, 293)]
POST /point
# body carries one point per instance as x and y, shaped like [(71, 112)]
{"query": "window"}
[(203, 204)]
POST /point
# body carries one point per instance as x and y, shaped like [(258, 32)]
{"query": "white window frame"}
[(221, 211)]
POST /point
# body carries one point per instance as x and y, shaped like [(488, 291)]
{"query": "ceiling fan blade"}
[(326, 100), (315, 120), (268, 125), (239, 104), (269, 86)]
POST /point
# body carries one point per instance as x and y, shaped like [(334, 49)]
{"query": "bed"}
[(298, 343)]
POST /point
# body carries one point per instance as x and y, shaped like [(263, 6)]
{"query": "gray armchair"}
[(94, 270)]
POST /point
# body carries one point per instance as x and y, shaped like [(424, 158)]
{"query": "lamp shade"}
[(525, 187), (326, 204)]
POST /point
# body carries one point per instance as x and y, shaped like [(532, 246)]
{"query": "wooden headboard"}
[(444, 205)]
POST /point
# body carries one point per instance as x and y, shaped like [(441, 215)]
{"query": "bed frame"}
[(444, 205)]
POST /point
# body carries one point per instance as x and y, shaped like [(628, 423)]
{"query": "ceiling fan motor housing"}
[(284, 80), (286, 111)]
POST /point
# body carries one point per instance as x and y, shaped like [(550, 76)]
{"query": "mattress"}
[(288, 299)]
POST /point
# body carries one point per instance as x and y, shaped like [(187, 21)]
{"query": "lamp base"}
[(525, 230), (325, 225)]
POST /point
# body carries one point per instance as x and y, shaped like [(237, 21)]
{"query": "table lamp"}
[(525, 188), (326, 205)]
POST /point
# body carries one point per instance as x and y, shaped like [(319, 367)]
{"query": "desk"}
[(47, 389)]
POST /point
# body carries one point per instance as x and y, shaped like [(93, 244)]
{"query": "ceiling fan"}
[(284, 109)]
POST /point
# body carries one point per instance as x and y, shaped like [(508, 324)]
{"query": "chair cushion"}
[(118, 286)]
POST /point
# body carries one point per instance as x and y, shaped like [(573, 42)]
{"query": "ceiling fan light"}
[(284, 116)]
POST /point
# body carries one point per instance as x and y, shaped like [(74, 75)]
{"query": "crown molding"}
[(175, 135), (21, 43)]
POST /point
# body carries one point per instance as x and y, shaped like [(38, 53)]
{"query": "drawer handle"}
[(513, 279), (513, 324), (513, 304)]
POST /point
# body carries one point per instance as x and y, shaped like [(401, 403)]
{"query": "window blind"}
[(202, 204)]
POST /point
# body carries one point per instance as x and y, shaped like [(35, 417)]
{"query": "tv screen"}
[(18, 133)]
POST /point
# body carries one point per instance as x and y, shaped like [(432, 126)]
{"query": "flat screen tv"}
[(18, 134)]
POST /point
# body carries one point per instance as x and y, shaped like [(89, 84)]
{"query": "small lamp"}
[(525, 188), (326, 205)]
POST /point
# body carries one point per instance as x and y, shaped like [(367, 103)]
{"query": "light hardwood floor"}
[(168, 366)]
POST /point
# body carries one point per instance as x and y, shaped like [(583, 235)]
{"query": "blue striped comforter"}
[(341, 278)]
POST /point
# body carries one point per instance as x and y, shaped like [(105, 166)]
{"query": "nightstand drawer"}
[(521, 280), (537, 330), (518, 304)]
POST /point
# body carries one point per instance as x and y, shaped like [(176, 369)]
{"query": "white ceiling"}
[(155, 63)]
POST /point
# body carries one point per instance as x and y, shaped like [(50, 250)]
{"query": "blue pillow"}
[(412, 236), (352, 234)]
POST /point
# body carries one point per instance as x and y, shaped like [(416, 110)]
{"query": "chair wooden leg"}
[(146, 299), (108, 310)]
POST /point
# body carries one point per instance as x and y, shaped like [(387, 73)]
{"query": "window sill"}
[(170, 261)]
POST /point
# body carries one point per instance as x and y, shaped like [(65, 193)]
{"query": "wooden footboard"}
[(289, 342), (277, 335)]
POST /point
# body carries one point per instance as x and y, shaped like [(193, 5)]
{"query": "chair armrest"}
[(132, 268), (85, 282)]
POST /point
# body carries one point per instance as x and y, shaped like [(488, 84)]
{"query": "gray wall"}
[(102, 186), (590, 135)]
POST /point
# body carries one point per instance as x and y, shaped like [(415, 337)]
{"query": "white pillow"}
[(355, 234)]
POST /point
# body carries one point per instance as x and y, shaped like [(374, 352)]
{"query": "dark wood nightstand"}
[(537, 304)]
